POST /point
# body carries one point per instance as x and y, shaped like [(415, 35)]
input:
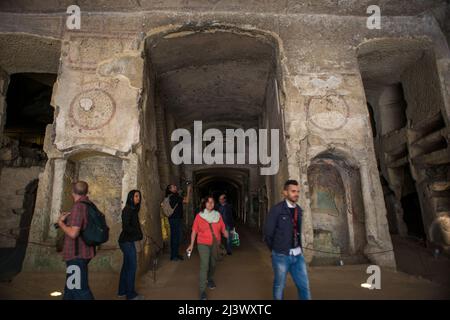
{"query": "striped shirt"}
[(77, 218)]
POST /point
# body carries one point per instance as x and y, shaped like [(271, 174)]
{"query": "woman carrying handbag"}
[(207, 228)]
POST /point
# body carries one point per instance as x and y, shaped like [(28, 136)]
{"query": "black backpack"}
[(96, 231)]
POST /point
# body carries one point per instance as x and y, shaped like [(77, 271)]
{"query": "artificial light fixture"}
[(55, 294)]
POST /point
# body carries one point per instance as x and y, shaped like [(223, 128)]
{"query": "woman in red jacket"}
[(207, 228)]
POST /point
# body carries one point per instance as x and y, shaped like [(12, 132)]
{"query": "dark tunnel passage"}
[(217, 181)]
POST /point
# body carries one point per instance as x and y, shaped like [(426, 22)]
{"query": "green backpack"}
[(96, 231)]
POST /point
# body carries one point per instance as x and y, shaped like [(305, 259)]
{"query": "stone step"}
[(434, 158), (431, 142), (428, 125), (398, 162), (440, 194), (443, 213), (440, 185), (441, 204), (394, 142)]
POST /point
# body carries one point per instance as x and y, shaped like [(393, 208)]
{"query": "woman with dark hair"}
[(131, 232), (207, 228)]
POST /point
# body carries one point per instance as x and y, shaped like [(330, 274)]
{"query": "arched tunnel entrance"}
[(217, 181), (227, 79)]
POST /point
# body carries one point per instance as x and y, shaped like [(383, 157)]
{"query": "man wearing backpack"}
[(76, 252)]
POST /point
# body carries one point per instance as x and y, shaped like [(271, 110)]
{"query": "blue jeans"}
[(175, 237), (282, 264), (128, 272), (83, 292)]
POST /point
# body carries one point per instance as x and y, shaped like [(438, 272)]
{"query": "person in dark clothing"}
[(131, 232), (282, 234), (176, 220), (226, 210)]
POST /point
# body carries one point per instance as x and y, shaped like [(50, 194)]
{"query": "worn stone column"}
[(379, 247), (348, 209), (170, 126), (57, 192), (4, 81), (443, 70), (297, 160), (162, 140)]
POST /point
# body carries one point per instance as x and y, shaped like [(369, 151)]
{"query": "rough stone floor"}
[(245, 275)]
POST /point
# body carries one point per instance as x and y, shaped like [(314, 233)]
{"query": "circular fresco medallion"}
[(92, 109), (328, 113)]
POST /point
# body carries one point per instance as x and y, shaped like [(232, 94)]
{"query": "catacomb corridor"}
[(363, 117)]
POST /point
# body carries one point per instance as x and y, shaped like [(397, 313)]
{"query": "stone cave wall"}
[(99, 104), (19, 166)]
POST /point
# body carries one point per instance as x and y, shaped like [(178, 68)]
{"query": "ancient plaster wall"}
[(273, 118), (402, 84), (424, 102), (23, 52), (13, 182), (324, 102), (328, 209), (19, 166), (350, 7), (104, 176), (4, 81), (337, 209), (96, 112), (422, 89), (148, 172)]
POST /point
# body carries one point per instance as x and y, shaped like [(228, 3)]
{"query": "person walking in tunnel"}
[(208, 228), (176, 219), (76, 253), (282, 234), (226, 210), (131, 232)]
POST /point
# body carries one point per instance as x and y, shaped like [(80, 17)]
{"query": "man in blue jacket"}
[(282, 234)]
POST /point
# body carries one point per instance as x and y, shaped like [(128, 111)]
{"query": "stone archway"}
[(235, 81)]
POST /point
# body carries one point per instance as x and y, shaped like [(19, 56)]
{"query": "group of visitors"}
[(77, 253), (282, 234)]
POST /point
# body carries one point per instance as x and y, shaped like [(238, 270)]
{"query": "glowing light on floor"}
[(366, 285), (55, 294)]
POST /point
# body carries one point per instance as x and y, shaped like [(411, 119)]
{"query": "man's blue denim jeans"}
[(83, 292), (282, 264), (128, 272)]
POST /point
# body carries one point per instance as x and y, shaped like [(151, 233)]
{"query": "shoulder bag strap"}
[(213, 234)]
